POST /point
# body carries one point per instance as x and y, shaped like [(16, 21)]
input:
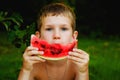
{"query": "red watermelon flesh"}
[(52, 51)]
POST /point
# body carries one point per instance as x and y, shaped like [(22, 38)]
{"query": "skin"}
[(56, 29)]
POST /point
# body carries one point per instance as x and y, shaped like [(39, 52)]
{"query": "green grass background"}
[(104, 58)]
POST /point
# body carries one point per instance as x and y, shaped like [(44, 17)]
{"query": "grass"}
[(104, 58)]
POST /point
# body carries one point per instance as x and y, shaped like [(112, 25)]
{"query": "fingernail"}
[(69, 52), (37, 49), (74, 49), (42, 52)]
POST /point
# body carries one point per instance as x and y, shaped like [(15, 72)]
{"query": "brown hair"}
[(56, 9)]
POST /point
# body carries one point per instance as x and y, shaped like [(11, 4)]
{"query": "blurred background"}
[(97, 23)]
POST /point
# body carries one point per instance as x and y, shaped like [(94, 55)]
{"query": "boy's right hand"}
[(30, 57)]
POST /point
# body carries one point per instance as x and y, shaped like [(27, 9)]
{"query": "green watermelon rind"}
[(51, 58)]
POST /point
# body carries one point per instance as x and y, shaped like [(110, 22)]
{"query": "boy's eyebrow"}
[(62, 25), (48, 25)]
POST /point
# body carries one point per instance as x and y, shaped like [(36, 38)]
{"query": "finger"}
[(30, 48), (33, 62), (36, 58), (76, 54), (83, 57), (76, 59), (34, 53), (79, 51)]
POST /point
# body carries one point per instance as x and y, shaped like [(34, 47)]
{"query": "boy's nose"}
[(56, 35)]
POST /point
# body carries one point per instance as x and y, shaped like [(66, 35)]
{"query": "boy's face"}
[(57, 29)]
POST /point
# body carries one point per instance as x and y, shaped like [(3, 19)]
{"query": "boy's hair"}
[(56, 9)]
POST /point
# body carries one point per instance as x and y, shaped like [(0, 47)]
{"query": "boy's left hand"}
[(80, 58)]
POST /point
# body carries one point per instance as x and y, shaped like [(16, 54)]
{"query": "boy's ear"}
[(37, 33), (75, 34)]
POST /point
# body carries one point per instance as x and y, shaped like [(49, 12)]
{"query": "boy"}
[(56, 24)]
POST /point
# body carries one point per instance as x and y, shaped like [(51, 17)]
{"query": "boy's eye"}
[(48, 29), (64, 29)]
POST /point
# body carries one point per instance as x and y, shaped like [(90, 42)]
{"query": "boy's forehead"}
[(57, 19)]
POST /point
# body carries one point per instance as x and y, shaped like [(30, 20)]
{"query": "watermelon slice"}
[(51, 51)]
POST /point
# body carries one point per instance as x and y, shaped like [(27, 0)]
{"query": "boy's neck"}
[(56, 63)]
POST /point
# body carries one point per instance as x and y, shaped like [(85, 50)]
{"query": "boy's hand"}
[(80, 58), (30, 57)]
